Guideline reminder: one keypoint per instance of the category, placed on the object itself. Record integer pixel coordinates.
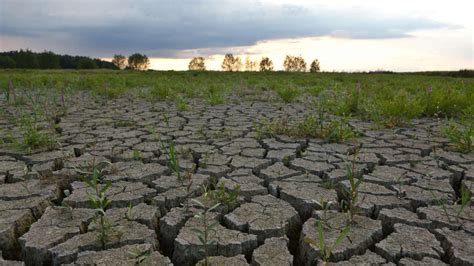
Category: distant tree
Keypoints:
(266, 64)
(7, 62)
(197, 63)
(294, 64)
(250, 65)
(119, 61)
(231, 63)
(48, 60)
(26, 59)
(138, 62)
(86, 63)
(314, 66)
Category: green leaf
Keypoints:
(197, 231)
(322, 246)
(340, 238)
(213, 207)
(201, 239)
(198, 203)
(106, 187)
(211, 226)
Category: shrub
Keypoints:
(396, 110)
(288, 94)
(461, 134)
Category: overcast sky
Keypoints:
(345, 35)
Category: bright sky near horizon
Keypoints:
(344, 35)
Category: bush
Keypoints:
(86, 63)
(288, 94)
(394, 110)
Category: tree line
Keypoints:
(49, 60)
(234, 63)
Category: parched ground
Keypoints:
(406, 214)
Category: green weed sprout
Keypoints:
(224, 197)
(130, 215)
(326, 250)
(288, 94)
(351, 194)
(172, 158)
(400, 191)
(181, 104)
(136, 155)
(203, 233)
(462, 135)
(98, 201)
(324, 205)
(138, 255)
(464, 200)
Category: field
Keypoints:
(217, 168)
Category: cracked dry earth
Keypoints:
(280, 179)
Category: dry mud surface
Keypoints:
(280, 181)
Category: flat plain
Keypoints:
(162, 168)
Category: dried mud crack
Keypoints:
(406, 212)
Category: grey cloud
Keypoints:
(164, 28)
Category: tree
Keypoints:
(138, 62)
(26, 59)
(266, 64)
(7, 62)
(197, 63)
(48, 60)
(119, 61)
(294, 64)
(250, 65)
(315, 66)
(231, 63)
(86, 63)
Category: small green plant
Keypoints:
(201, 132)
(442, 202)
(339, 130)
(166, 118)
(136, 155)
(188, 177)
(327, 184)
(399, 180)
(224, 197)
(214, 96)
(181, 104)
(172, 158)
(325, 250)
(130, 215)
(203, 162)
(351, 194)
(288, 94)
(310, 126)
(207, 227)
(26, 177)
(325, 205)
(464, 199)
(394, 110)
(32, 136)
(138, 255)
(98, 201)
(225, 133)
(123, 123)
(461, 134)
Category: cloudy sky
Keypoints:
(345, 35)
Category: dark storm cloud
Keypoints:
(163, 28)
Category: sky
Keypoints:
(343, 35)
